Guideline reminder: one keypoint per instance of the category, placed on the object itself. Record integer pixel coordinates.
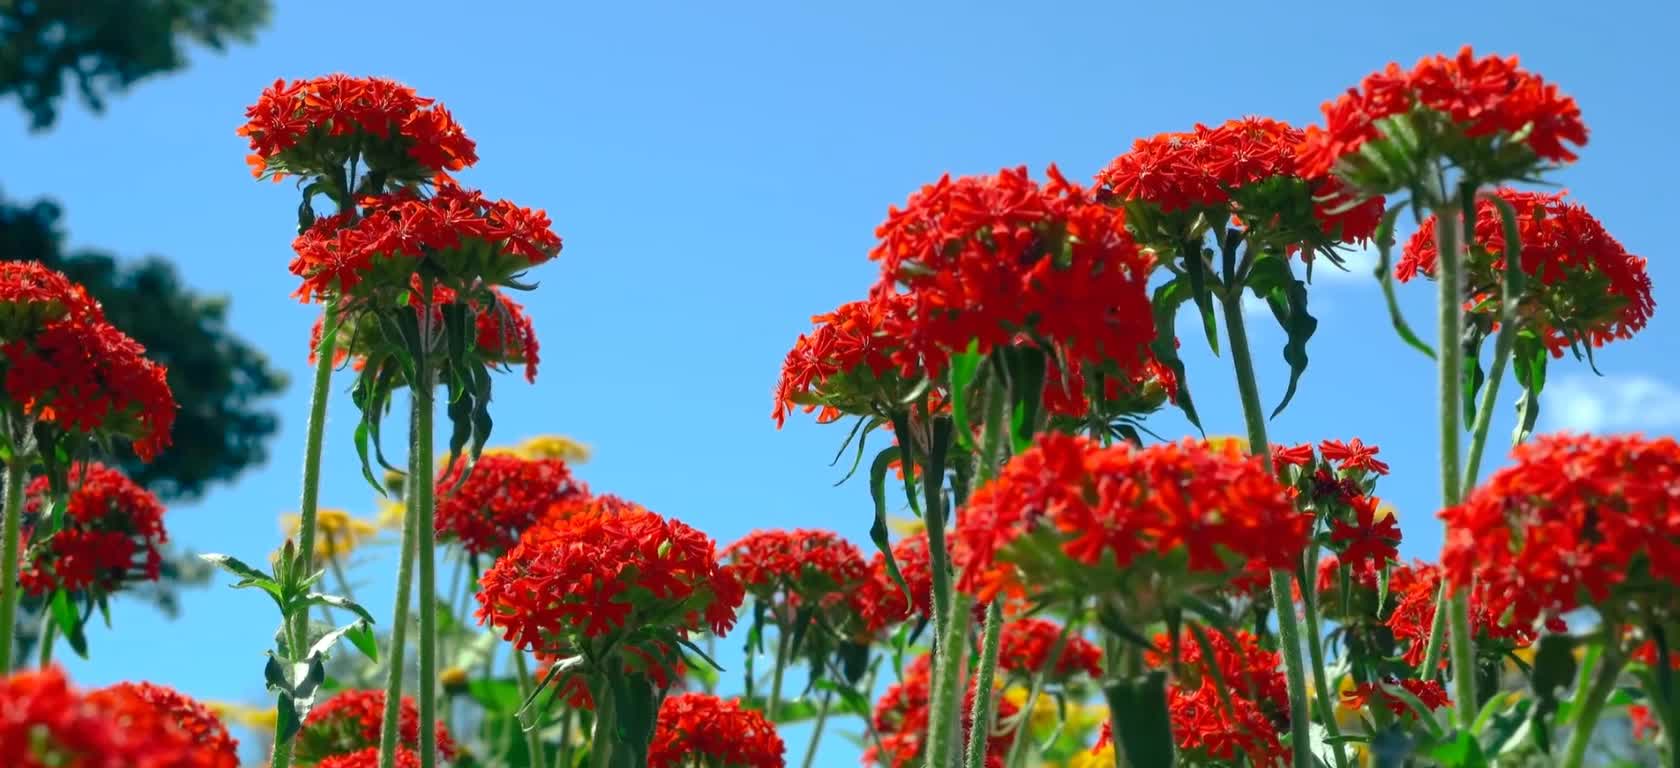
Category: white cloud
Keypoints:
(1630, 403)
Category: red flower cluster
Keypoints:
(45, 723)
(1171, 509)
(148, 707)
(369, 758)
(1416, 589)
(112, 532)
(1582, 287)
(842, 363)
(901, 720)
(1259, 697)
(506, 335)
(307, 125)
(1204, 728)
(499, 499)
(349, 722)
(986, 258)
(880, 601)
(1024, 646)
(1484, 99)
(1252, 672)
(805, 566)
(1137, 391)
(469, 235)
(65, 365)
(594, 572)
(1430, 692)
(1215, 169)
(1574, 520)
(699, 729)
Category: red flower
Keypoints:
(84, 376)
(845, 363)
(880, 601)
(1571, 523)
(1204, 728)
(901, 719)
(468, 237)
(1477, 105)
(1024, 646)
(1223, 169)
(1430, 692)
(1135, 392)
(1416, 591)
(33, 297)
(308, 126)
(500, 497)
(209, 738)
(45, 723)
(112, 532)
(1582, 287)
(350, 722)
(369, 758)
(505, 335)
(802, 566)
(1251, 672)
(592, 573)
(699, 729)
(1353, 454)
(1105, 511)
(503, 332)
(985, 258)
(1293, 456)
(1644, 725)
(1368, 539)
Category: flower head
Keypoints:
(111, 535)
(168, 709)
(1430, 692)
(1025, 646)
(554, 447)
(369, 758)
(1488, 116)
(846, 364)
(805, 566)
(47, 723)
(500, 496)
(337, 533)
(1069, 517)
(901, 718)
(1416, 591)
(350, 721)
(1576, 521)
(881, 602)
(307, 126)
(1582, 286)
(699, 729)
(985, 258)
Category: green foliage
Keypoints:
(105, 46)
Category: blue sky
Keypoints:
(717, 171)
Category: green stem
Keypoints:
(601, 741)
(16, 473)
(388, 740)
(1450, 356)
(817, 728)
(1018, 743)
(426, 551)
(49, 635)
(1289, 633)
(1315, 651)
(527, 687)
(1604, 684)
(945, 706)
(1484, 412)
(950, 622)
(1431, 667)
(980, 728)
(314, 438)
(775, 702)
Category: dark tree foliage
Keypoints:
(105, 46)
(219, 380)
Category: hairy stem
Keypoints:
(980, 729)
(16, 473)
(426, 553)
(320, 392)
(1484, 412)
(399, 615)
(774, 704)
(528, 687)
(1315, 651)
(1603, 684)
(1289, 633)
(1018, 743)
(817, 728)
(1450, 357)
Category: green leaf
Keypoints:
(1459, 751)
(497, 696)
(1196, 270)
(361, 635)
(963, 368)
(325, 642)
(361, 438)
(481, 421)
(288, 722)
(1166, 302)
(1528, 362)
(1300, 326)
(1385, 276)
(1472, 377)
(69, 622)
(344, 603)
(862, 442)
(1145, 732)
(878, 530)
(236, 567)
(1027, 391)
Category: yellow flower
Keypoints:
(906, 527)
(1044, 710)
(390, 514)
(1093, 758)
(1386, 510)
(554, 447)
(336, 532)
(1220, 441)
(253, 718)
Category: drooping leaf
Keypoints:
(1195, 270)
(963, 368)
(1385, 276)
(1168, 298)
(878, 529)
(1145, 732)
(69, 622)
(1528, 363)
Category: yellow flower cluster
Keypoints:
(337, 533)
(259, 719)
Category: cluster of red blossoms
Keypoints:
(504, 332)
(1025, 645)
(1582, 287)
(66, 366)
(901, 719)
(1365, 537)
(501, 497)
(1202, 724)
(1189, 507)
(369, 758)
(986, 258)
(699, 729)
(594, 571)
(801, 566)
(300, 126)
(46, 723)
(1483, 98)
(1575, 521)
(112, 532)
(349, 723)
(1430, 692)
(850, 342)
(1216, 169)
(881, 602)
(1416, 590)
(468, 234)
